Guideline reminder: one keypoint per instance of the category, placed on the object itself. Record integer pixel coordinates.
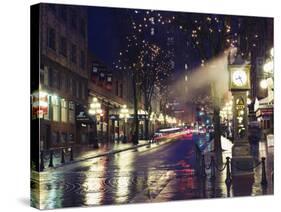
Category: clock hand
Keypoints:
(239, 78)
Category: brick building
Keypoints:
(63, 72)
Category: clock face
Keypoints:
(239, 78)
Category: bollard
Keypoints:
(71, 154)
(62, 156)
(263, 174)
(228, 174)
(213, 168)
(51, 159)
(42, 167)
(203, 171)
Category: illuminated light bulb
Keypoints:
(271, 52)
(263, 84)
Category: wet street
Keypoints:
(160, 172)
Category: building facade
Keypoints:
(63, 72)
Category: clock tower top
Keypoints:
(239, 74)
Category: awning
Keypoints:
(83, 116)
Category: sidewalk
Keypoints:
(82, 153)
(244, 186)
(177, 185)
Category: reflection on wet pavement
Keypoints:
(158, 174)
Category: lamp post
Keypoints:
(101, 124)
(152, 120)
(95, 110)
(124, 114)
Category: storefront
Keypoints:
(264, 114)
(57, 120)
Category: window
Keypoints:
(63, 46)
(82, 60)
(64, 111)
(56, 108)
(84, 91)
(73, 53)
(51, 38)
(74, 88)
(73, 19)
(63, 13)
(71, 85)
(77, 89)
(48, 115)
(80, 90)
(50, 76)
(62, 80)
(55, 78)
(83, 28)
(71, 112)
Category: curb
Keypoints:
(111, 152)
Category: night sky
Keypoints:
(105, 32)
(108, 27)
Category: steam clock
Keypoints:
(239, 84)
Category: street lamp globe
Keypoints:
(263, 84)
(249, 101)
(268, 66)
(271, 52)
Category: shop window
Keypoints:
(56, 108)
(64, 113)
(71, 112)
(48, 115)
